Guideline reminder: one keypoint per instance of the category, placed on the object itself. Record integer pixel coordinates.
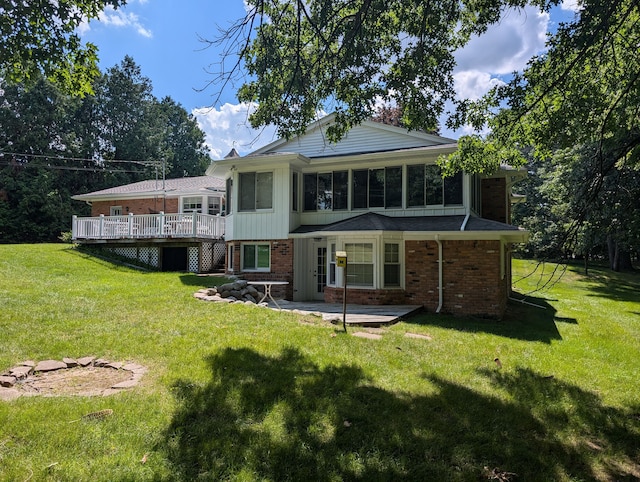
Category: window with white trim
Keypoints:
(230, 258)
(256, 257)
(255, 191)
(427, 187)
(391, 265)
(359, 264)
(115, 211)
(192, 204)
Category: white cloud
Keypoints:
(119, 19)
(473, 84)
(228, 127)
(507, 46)
(571, 5)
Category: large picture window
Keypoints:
(256, 191)
(360, 264)
(376, 188)
(192, 204)
(427, 187)
(256, 257)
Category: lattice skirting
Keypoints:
(149, 255)
(203, 258)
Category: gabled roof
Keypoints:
(475, 228)
(174, 187)
(313, 143)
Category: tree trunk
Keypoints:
(619, 258)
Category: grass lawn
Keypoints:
(243, 393)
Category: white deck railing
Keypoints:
(145, 226)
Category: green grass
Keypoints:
(243, 393)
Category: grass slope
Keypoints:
(243, 393)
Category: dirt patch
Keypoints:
(87, 376)
(86, 381)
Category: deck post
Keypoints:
(101, 225)
(161, 223)
(130, 224)
(74, 227)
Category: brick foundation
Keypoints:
(366, 296)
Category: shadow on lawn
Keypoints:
(614, 286)
(286, 418)
(521, 321)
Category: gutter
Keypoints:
(440, 287)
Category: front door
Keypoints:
(319, 250)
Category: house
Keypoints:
(172, 224)
(411, 237)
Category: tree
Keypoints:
(306, 55)
(39, 36)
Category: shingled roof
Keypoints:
(172, 186)
(379, 222)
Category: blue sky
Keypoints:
(162, 36)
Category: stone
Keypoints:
(132, 367)
(242, 283)
(211, 291)
(7, 381)
(369, 336)
(8, 394)
(71, 362)
(100, 362)
(86, 360)
(235, 294)
(27, 363)
(115, 365)
(20, 372)
(125, 384)
(50, 365)
(200, 295)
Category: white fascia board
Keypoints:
(124, 196)
(418, 154)
(519, 236)
(224, 167)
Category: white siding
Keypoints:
(264, 224)
(363, 138)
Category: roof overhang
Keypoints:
(508, 236)
(225, 167)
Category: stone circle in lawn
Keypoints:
(86, 376)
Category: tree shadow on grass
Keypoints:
(521, 321)
(614, 286)
(286, 418)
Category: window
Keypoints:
(256, 257)
(377, 188)
(359, 264)
(326, 191)
(294, 192)
(391, 265)
(332, 264)
(230, 259)
(213, 205)
(228, 194)
(192, 204)
(115, 211)
(256, 191)
(426, 187)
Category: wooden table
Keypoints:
(267, 289)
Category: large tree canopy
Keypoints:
(39, 36)
(346, 55)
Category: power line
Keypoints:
(64, 158)
(69, 168)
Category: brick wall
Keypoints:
(365, 296)
(281, 266)
(136, 206)
(471, 277)
(494, 200)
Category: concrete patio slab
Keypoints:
(356, 314)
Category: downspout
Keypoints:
(464, 223)
(440, 287)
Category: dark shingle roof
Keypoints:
(379, 222)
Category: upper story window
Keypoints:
(377, 188)
(427, 187)
(192, 204)
(326, 191)
(213, 203)
(255, 191)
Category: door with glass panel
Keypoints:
(319, 278)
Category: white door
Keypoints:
(319, 269)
